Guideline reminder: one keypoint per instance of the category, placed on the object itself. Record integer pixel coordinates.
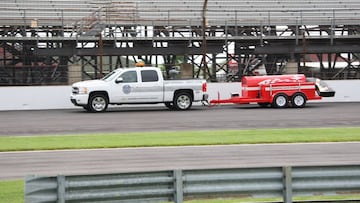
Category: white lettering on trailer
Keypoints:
(294, 78)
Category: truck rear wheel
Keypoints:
(280, 101)
(298, 100)
(98, 103)
(182, 101)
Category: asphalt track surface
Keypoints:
(15, 165)
(159, 118)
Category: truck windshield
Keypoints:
(109, 76)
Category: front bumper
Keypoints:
(79, 99)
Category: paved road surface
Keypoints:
(160, 119)
(15, 165)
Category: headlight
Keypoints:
(83, 90)
(79, 90)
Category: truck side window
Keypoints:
(149, 76)
(129, 76)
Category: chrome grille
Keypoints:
(75, 90)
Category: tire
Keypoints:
(298, 100)
(280, 101)
(182, 101)
(98, 103)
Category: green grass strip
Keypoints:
(182, 138)
(12, 191)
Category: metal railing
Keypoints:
(181, 16)
(179, 185)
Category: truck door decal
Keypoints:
(126, 89)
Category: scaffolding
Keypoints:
(47, 42)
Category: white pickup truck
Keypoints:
(138, 85)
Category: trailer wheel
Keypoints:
(280, 101)
(98, 103)
(298, 100)
(182, 101)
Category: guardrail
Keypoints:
(179, 185)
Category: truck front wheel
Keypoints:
(182, 101)
(98, 103)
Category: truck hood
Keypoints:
(90, 83)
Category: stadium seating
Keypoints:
(179, 12)
(45, 12)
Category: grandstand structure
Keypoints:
(45, 42)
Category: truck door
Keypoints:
(125, 88)
(151, 86)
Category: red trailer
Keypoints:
(279, 91)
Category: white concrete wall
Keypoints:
(35, 97)
(57, 97)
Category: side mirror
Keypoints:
(119, 80)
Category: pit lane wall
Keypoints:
(57, 97)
